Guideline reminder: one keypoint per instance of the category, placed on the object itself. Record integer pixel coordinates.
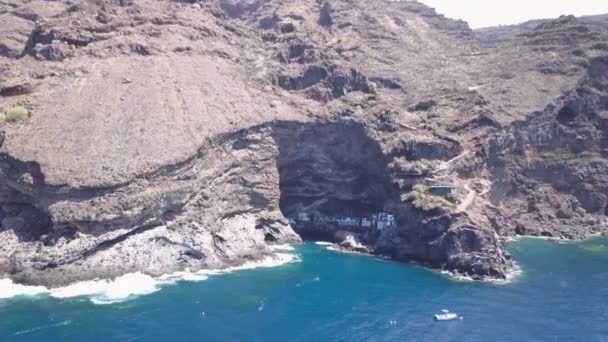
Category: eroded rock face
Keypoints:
(171, 135)
(554, 164)
(163, 221)
(331, 168)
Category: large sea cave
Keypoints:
(330, 170)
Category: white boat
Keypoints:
(446, 315)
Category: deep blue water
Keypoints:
(562, 295)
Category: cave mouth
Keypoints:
(25, 220)
(566, 115)
(330, 171)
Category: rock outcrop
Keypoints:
(170, 135)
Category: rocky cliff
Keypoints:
(170, 135)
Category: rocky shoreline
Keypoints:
(161, 136)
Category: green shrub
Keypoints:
(421, 199)
(2, 118)
(15, 114)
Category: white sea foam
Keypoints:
(128, 286)
(282, 248)
(101, 291)
(183, 276)
(346, 251)
(125, 287)
(9, 289)
(511, 276)
(275, 260)
(323, 243)
(546, 238)
(85, 288)
(552, 238)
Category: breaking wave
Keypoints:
(282, 248)
(131, 285)
(8, 289)
(515, 273)
(104, 291)
(110, 291)
(277, 259)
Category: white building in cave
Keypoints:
(348, 221)
(379, 221)
(385, 221)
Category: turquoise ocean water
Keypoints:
(561, 295)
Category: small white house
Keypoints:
(385, 221)
(348, 221)
(366, 222)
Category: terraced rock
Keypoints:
(171, 135)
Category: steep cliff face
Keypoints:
(171, 135)
(215, 209)
(551, 168)
(330, 169)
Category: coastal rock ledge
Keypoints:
(159, 136)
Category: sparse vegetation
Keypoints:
(422, 199)
(442, 201)
(420, 188)
(14, 114)
(2, 118)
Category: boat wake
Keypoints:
(131, 285)
(27, 331)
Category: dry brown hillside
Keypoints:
(161, 135)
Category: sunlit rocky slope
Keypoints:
(164, 135)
